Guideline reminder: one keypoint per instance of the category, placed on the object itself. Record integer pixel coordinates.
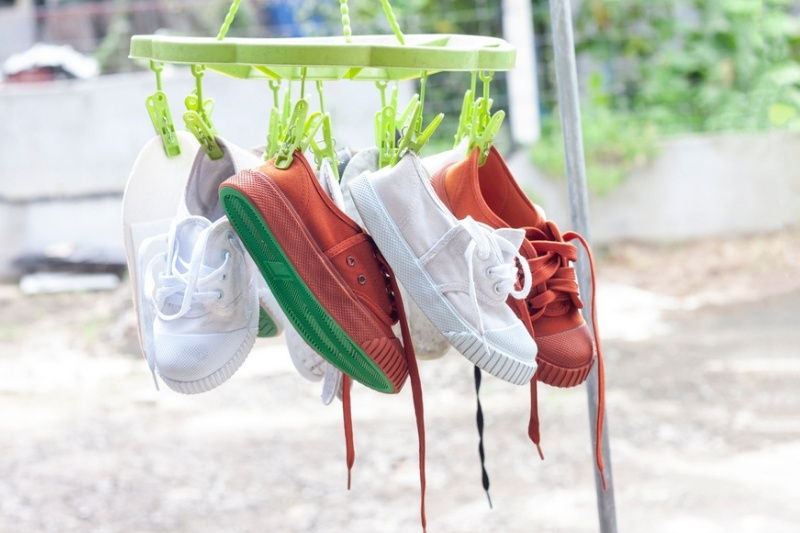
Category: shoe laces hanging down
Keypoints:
(556, 290)
(399, 315)
(601, 380)
(484, 243)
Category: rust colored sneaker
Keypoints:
(322, 268)
(567, 349)
(329, 278)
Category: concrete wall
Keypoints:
(17, 30)
(699, 186)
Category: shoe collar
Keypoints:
(201, 195)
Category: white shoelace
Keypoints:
(182, 280)
(486, 242)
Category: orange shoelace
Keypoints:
(555, 291)
(398, 314)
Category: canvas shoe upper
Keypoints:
(551, 311)
(198, 332)
(206, 305)
(429, 343)
(459, 272)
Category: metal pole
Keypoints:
(567, 81)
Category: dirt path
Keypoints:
(702, 364)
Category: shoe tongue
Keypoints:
(514, 236)
(187, 234)
(363, 161)
(330, 185)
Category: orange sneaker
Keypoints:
(323, 269)
(329, 278)
(567, 350)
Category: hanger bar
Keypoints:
(365, 57)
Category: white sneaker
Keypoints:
(206, 305)
(146, 215)
(429, 343)
(200, 284)
(460, 273)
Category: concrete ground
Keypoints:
(702, 361)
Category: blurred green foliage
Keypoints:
(614, 143)
(697, 65)
(672, 67)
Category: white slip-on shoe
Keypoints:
(459, 272)
(206, 305)
(429, 343)
(146, 219)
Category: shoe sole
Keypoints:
(562, 377)
(220, 376)
(426, 294)
(308, 316)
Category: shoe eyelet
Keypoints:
(224, 277)
(489, 273)
(230, 236)
(219, 295)
(351, 261)
(362, 279)
(496, 288)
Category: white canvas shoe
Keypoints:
(459, 272)
(206, 305)
(167, 267)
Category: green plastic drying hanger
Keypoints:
(158, 109)
(363, 57)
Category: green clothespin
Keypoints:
(327, 150)
(197, 117)
(275, 123)
(384, 134)
(160, 116)
(483, 126)
(411, 139)
(293, 134)
(487, 136)
(467, 108)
